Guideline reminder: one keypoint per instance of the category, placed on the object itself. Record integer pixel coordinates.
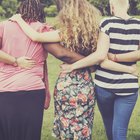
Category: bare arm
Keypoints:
(52, 36)
(99, 57)
(108, 64)
(22, 62)
(6, 58)
(126, 57)
(62, 53)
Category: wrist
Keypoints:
(115, 58)
(131, 69)
(60, 36)
(15, 62)
(73, 67)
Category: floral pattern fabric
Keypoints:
(74, 101)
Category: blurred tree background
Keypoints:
(8, 7)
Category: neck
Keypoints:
(122, 14)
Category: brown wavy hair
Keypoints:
(79, 26)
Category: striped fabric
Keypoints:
(124, 37)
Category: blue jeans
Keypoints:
(116, 112)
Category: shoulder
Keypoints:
(107, 20)
(135, 20)
(104, 21)
(2, 23)
(47, 27)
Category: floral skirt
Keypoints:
(74, 101)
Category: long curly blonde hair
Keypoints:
(79, 26)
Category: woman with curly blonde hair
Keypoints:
(74, 92)
(79, 24)
(74, 95)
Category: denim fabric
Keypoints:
(116, 112)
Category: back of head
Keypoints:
(79, 21)
(121, 4)
(31, 10)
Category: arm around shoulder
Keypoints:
(61, 53)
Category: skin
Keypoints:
(52, 36)
(127, 57)
(100, 55)
(95, 58)
(23, 62)
(57, 50)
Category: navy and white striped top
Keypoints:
(124, 37)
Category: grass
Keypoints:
(98, 130)
(137, 16)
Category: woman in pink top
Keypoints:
(22, 91)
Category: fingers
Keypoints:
(26, 64)
(27, 67)
(47, 101)
(65, 68)
(110, 56)
(28, 59)
(65, 71)
(31, 62)
(25, 57)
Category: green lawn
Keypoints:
(98, 130)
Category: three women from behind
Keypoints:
(74, 94)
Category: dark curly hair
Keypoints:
(32, 10)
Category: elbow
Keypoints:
(63, 57)
(34, 38)
(99, 56)
(102, 58)
(102, 64)
(60, 55)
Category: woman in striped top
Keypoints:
(116, 91)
